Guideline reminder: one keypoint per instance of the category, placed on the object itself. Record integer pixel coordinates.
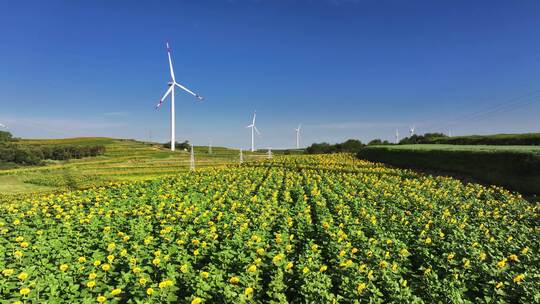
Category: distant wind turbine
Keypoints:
(3, 126)
(170, 91)
(411, 130)
(253, 129)
(298, 136)
(397, 136)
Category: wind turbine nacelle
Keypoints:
(170, 83)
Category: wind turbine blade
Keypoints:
(256, 130)
(189, 91)
(3, 126)
(170, 62)
(164, 96)
(249, 126)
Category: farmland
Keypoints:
(513, 167)
(316, 229)
(124, 160)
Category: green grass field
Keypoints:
(467, 148)
(124, 160)
(514, 167)
(494, 139)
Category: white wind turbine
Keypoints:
(3, 126)
(298, 136)
(411, 130)
(253, 129)
(170, 91)
(397, 136)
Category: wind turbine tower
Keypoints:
(241, 156)
(172, 84)
(298, 136)
(397, 136)
(270, 153)
(411, 130)
(210, 147)
(253, 129)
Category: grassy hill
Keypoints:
(495, 139)
(124, 160)
(514, 167)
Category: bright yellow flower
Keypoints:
(82, 259)
(18, 254)
(482, 256)
(234, 280)
(196, 301)
(323, 268)
(149, 291)
(64, 267)
(92, 276)
(24, 291)
(428, 240)
(22, 276)
(142, 281)
(499, 285)
(248, 291)
(204, 274)
(166, 283)
(519, 278)
(184, 268)
(156, 261)
(513, 257)
(252, 268)
(110, 258)
(361, 287)
(7, 272)
(116, 291)
(24, 244)
(106, 267)
(451, 256)
(305, 270)
(289, 265)
(97, 263)
(91, 284)
(501, 263)
(101, 299)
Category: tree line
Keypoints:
(13, 152)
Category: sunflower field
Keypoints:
(293, 229)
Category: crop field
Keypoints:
(299, 229)
(467, 148)
(124, 160)
(513, 167)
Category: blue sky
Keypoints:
(344, 69)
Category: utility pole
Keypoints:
(192, 160)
